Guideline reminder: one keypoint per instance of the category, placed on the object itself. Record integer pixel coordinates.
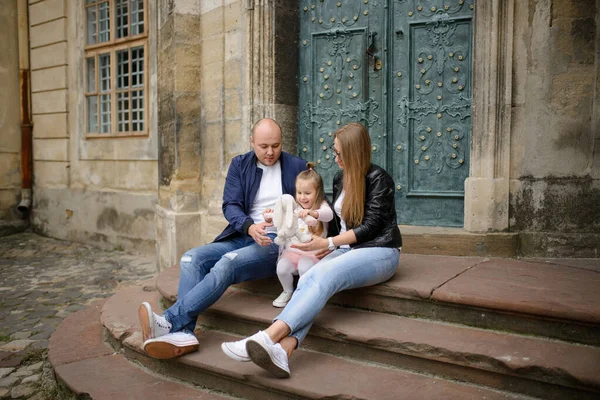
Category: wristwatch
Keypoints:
(331, 245)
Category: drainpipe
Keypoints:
(26, 126)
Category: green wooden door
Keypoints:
(402, 68)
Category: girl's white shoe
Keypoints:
(282, 300)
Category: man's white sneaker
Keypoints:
(237, 350)
(271, 357)
(171, 345)
(153, 325)
(282, 300)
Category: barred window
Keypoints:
(116, 85)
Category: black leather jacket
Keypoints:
(378, 227)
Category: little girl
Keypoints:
(310, 195)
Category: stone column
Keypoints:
(178, 216)
(487, 188)
(272, 30)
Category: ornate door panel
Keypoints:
(402, 68)
(340, 77)
(430, 108)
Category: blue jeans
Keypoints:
(207, 271)
(343, 269)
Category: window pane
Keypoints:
(104, 22)
(105, 113)
(137, 66)
(123, 112)
(137, 17)
(92, 114)
(137, 110)
(91, 25)
(90, 1)
(104, 72)
(123, 69)
(91, 74)
(122, 21)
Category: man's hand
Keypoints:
(259, 234)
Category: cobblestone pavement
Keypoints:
(42, 280)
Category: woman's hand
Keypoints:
(268, 215)
(317, 243)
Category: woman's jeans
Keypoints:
(343, 269)
(207, 271)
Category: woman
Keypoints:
(365, 252)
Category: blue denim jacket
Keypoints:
(241, 186)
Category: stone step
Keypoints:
(432, 240)
(538, 367)
(315, 375)
(556, 299)
(84, 364)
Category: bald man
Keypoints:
(243, 251)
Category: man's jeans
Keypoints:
(343, 269)
(207, 271)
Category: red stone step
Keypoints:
(314, 375)
(525, 364)
(554, 299)
(84, 363)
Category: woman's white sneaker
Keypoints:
(268, 356)
(283, 299)
(153, 325)
(237, 350)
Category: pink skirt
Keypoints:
(294, 256)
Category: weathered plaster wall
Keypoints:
(555, 183)
(10, 134)
(102, 190)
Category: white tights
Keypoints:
(286, 271)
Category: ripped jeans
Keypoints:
(207, 271)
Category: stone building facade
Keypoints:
(212, 67)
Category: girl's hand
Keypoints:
(268, 215)
(303, 213)
(317, 243)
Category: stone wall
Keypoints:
(100, 191)
(555, 142)
(10, 145)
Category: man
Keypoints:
(243, 251)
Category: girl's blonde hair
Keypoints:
(311, 175)
(355, 151)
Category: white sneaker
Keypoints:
(237, 350)
(153, 325)
(282, 300)
(271, 357)
(171, 345)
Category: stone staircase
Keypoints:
(442, 328)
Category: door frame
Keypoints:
(272, 27)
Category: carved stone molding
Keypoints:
(487, 188)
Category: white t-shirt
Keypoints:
(268, 193)
(337, 207)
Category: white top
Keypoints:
(268, 192)
(338, 210)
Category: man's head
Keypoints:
(266, 141)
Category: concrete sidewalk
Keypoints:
(43, 280)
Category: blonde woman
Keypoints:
(366, 251)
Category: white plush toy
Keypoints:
(290, 228)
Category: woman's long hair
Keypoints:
(313, 176)
(355, 151)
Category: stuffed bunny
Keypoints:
(290, 228)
